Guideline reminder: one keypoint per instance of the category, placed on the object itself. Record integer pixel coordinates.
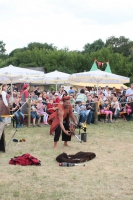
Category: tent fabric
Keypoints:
(94, 67)
(108, 68)
(117, 86)
(99, 77)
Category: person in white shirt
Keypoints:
(129, 92)
(4, 108)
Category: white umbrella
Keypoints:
(56, 77)
(13, 74)
(98, 77)
(24, 72)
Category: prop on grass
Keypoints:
(76, 158)
(65, 164)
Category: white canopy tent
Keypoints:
(56, 77)
(11, 74)
(98, 77)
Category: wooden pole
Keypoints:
(96, 112)
(29, 111)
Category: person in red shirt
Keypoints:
(56, 99)
(50, 107)
(25, 97)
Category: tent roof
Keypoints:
(108, 68)
(94, 67)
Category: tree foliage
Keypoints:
(119, 52)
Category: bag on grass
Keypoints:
(76, 158)
(25, 159)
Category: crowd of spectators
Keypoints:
(110, 103)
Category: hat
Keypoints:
(56, 93)
(40, 99)
(64, 98)
(25, 86)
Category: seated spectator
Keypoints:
(50, 107)
(34, 114)
(123, 107)
(81, 110)
(33, 96)
(50, 96)
(19, 116)
(128, 108)
(90, 106)
(72, 100)
(104, 109)
(81, 96)
(15, 88)
(56, 99)
(44, 96)
(119, 96)
(36, 90)
(116, 106)
(40, 110)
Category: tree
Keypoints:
(40, 46)
(2, 48)
(119, 45)
(95, 46)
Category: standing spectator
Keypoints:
(4, 107)
(25, 97)
(129, 92)
(71, 91)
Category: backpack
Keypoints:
(25, 159)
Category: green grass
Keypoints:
(108, 176)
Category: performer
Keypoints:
(4, 107)
(59, 120)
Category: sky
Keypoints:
(64, 23)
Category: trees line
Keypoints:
(119, 52)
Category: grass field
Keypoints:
(108, 176)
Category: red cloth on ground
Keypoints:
(25, 159)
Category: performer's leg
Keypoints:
(57, 136)
(65, 137)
